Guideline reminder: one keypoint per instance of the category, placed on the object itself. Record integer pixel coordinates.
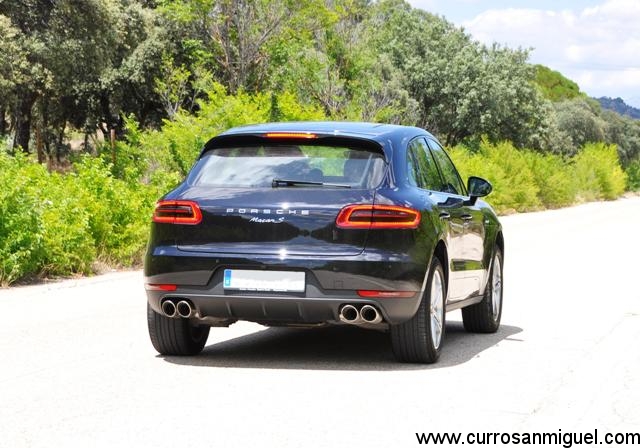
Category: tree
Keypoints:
(579, 119)
(464, 89)
(79, 62)
(232, 36)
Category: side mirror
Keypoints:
(478, 188)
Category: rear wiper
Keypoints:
(275, 183)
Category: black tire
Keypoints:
(483, 317)
(412, 341)
(171, 336)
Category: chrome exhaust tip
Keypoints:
(349, 314)
(370, 315)
(168, 308)
(184, 309)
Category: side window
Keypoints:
(413, 170)
(421, 167)
(431, 177)
(452, 182)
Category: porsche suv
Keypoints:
(324, 223)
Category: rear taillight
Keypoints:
(368, 216)
(177, 212)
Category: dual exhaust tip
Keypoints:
(181, 308)
(368, 314)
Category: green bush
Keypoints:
(509, 171)
(527, 180)
(553, 176)
(633, 175)
(21, 226)
(54, 224)
(67, 243)
(598, 172)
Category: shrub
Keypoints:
(554, 178)
(118, 212)
(526, 180)
(598, 172)
(21, 227)
(68, 246)
(508, 170)
(633, 175)
(53, 224)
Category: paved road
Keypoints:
(78, 369)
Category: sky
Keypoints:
(596, 43)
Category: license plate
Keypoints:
(278, 281)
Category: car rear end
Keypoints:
(286, 228)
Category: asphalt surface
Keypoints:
(77, 367)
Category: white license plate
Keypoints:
(248, 280)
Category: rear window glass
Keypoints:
(258, 166)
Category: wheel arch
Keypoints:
(500, 242)
(440, 252)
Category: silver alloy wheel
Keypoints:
(436, 309)
(496, 287)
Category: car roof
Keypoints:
(386, 135)
(345, 128)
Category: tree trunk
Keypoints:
(40, 146)
(60, 150)
(3, 121)
(23, 121)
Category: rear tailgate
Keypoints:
(281, 196)
(297, 221)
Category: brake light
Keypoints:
(366, 216)
(385, 294)
(177, 212)
(290, 135)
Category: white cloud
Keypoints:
(598, 47)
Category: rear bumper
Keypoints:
(330, 283)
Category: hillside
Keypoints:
(618, 105)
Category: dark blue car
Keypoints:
(324, 223)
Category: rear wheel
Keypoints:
(484, 317)
(171, 336)
(419, 339)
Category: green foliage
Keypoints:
(53, 224)
(554, 86)
(21, 229)
(508, 170)
(557, 187)
(117, 212)
(579, 119)
(82, 63)
(633, 175)
(528, 180)
(598, 172)
(464, 89)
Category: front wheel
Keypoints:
(484, 317)
(171, 336)
(419, 339)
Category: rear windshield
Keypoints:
(259, 166)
